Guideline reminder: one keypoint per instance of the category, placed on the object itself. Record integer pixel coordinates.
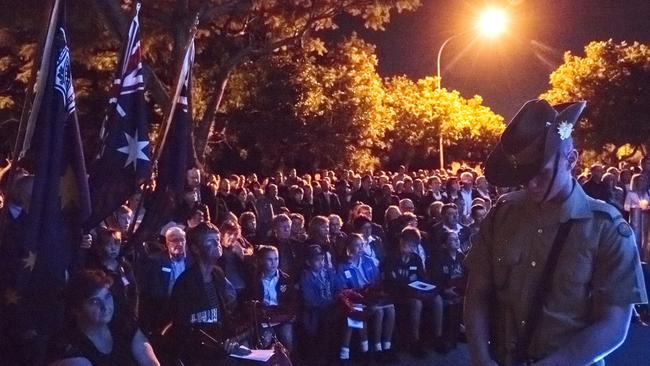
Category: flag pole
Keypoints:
(33, 98)
(177, 91)
(40, 79)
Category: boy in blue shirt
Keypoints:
(317, 285)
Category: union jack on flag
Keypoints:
(124, 161)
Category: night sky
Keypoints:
(515, 67)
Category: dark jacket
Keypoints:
(317, 293)
(190, 309)
(285, 288)
(154, 288)
(397, 274)
(326, 203)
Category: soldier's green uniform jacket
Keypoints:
(599, 262)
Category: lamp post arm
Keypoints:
(442, 47)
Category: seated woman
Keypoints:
(237, 260)
(93, 336)
(361, 273)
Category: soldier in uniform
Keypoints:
(553, 273)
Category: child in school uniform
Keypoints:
(318, 320)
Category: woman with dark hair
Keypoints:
(93, 336)
(237, 258)
(108, 258)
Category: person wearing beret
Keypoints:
(553, 273)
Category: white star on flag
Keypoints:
(134, 150)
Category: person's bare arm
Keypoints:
(611, 323)
(142, 350)
(75, 361)
(476, 312)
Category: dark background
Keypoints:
(513, 68)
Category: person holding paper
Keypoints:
(361, 273)
(404, 268)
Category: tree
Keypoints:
(422, 112)
(613, 78)
(231, 32)
(307, 111)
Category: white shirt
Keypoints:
(177, 267)
(467, 202)
(269, 284)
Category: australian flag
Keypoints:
(124, 160)
(51, 223)
(176, 157)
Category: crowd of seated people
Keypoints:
(321, 267)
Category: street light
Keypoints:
(491, 24)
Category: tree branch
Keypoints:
(209, 11)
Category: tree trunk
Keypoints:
(202, 131)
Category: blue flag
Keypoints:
(124, 161)
(59, 203)
(176, 157)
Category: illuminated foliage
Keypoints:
(422, 111)
(614, 79)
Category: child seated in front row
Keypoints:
(403, 268)
(450, 275)
(361, 274)
(276, 292)
(317, 285)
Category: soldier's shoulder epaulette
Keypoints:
(604, 208)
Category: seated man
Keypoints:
(204, 329)
(276, 292)
(162, 271)
(401, 269)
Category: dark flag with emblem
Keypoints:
(124, 160)
(50, 223)
(177, 155)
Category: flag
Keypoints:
(59, 203)
(124, 160)
(176, 157)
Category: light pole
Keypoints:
(491, 24)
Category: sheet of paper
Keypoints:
(261, 355)
(422, 286)
(357, 324)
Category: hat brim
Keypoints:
(500, 172)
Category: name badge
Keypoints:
(347, 274)
(125, 281)
(413, 268)
(165, 269)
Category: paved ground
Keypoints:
(634, 352)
